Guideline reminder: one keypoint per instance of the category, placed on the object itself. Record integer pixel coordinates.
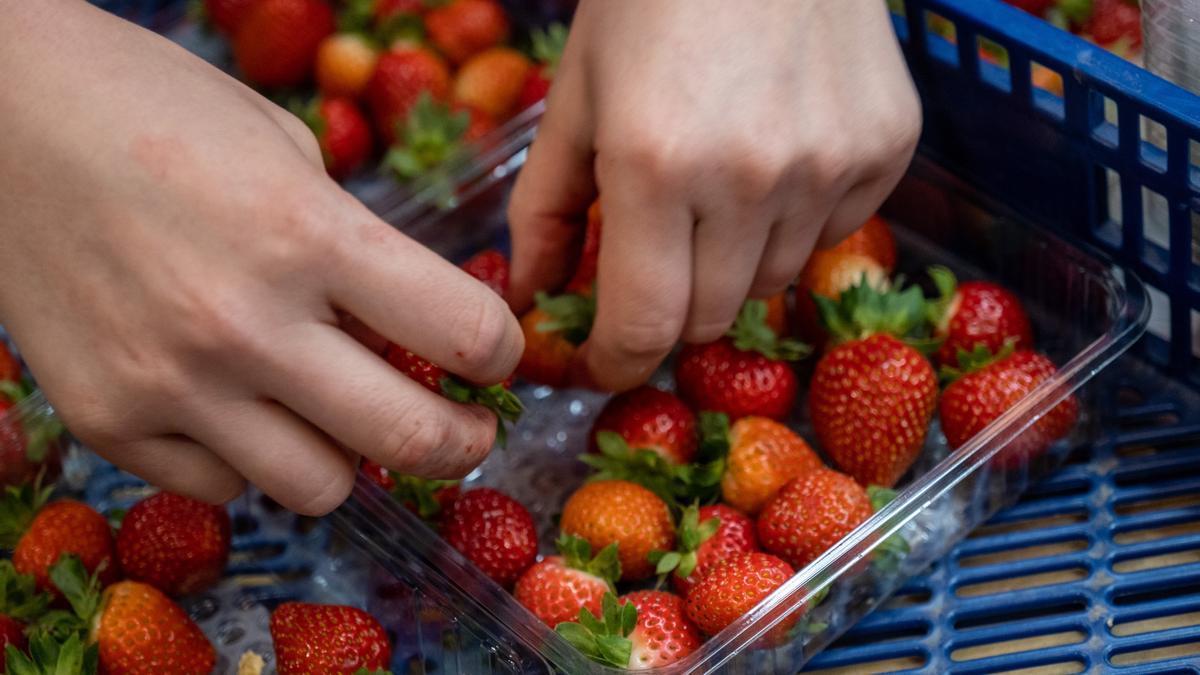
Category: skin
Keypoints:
(726, 139)
(204, 306)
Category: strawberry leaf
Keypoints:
(604, 639)
(429, 138)
(19, 597)
(570, 314)
(674, 483)
(892, 551)
(577, 553)
(714, 436)
(750, 333)
(548, 44)
(13, 390)
(18, 506)
(81, 590)
(420, 492)
(496, 397)
(864, 310)
(880, 497)
(48, 656)
(356, 16)
(975, 360)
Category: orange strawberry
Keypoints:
(494, 531)
(584, 278)
(811, 514)
(556, 588)
(734, 587)
(138, 630)
(622, 512)
(177, 544)
(976, 313)
(344, 65)
(763, 456)
(777, 314)
(491, 81)
(985, 387)
(874, 240)
(828, 274)
(747, 372)
(462, 28)
(277, 40)
(39, 534)
(401, 75)
(327, 639)
(651, 419)
(705, 537)
(553, 330)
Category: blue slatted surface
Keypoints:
(1113, 537)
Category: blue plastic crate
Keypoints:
(1109, 543)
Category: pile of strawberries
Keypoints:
(78, 597)
(706, 489)
(408, 80)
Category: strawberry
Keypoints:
(491, 81)
(811, 514)
(429, 498)
(872, 395)
(777, 314)
(733, 587)
(177, 544)
(745, 373)
(39, 534)
(976, 313)
(705, 537)
(490, 267)
(227, 15)
(20, 603)
(462, 28)
(388, 9)
(1115, 25)
(12, 632)
(344, 65)
(548, 47)
(985, 387)
(651, 419)
(401, 75)
(553, 330)
(763, 456)
(138, 629)
(481, 124)
(828, 274)
(584, 278)
(311, 638)
(493, 531)
(604, 512)
(433, 135)
(555, 589)
(342, 132)
(377, 474)
(276, 43)
(496, 397)
(10, 368)
(640, 631)
(46, 654)
(28, 442)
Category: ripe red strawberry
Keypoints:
(763, 456)
(39, 534)
(555, 589)
(987, 387)
(342, 132)
(491, 81)
(651, 419)
(976, 313)
(387, 9)
(705, 537)
(378, 474)
(1115, 25)
(227, 15)
(311, 638)
(547, 52)
(745, 373)
(872, 396)
(733, 587)
(811, 514)
(344, 64)
(493, 531)
(276, 43)
(402, 74)
(553, 331)
(490, 267)
(604, 512)
(496, 397)
(138, 630)
(177, 544)
(12, 632)
(10, 369)
(462, 28)
(584, 278)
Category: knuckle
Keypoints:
(480, 349)
(830, 163)
(218, 323)
(334, 489)
(414, 438)
(656, 162)
(755, 177)
(643, 339)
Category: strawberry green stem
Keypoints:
(751, 333)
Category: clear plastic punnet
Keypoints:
(451, 618)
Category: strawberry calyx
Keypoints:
(496, 397)
(941, 308)
(400, 28)
(546, 46)
(571, 314)
(891, 551)
(428, 139)
(603, 639)
(48, 656)
(1067, 13)
(355, 16)
(750, 333)
(864, 310)
(19, 597)
(18, 506)
(975, 360)
(421, 493)
(577, 554)
(690, 534)
(673, 483)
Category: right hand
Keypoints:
(174, 262)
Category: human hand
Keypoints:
(174, 263)
(726, 140)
